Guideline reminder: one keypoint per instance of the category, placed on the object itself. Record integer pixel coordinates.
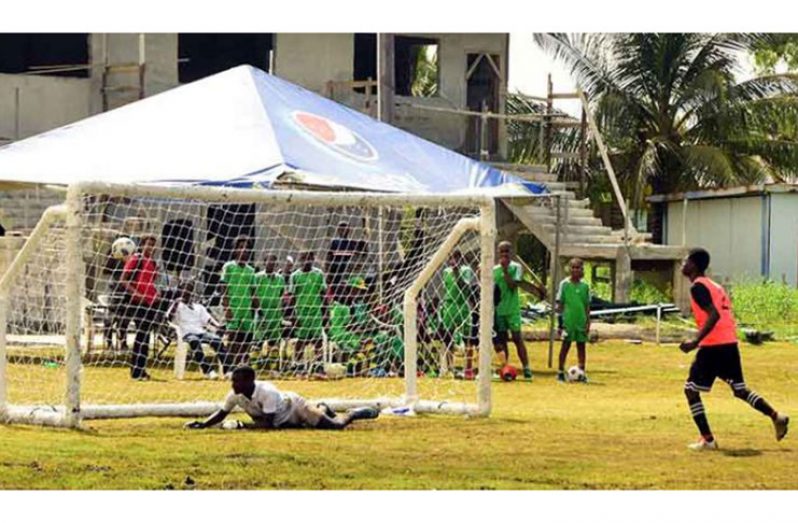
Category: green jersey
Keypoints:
(341, 327)
(307, 288)
(434, 323)
(509, 303)
(575, 299)
(360, 316)
(457, 289)
(270, 289)
(240, 282)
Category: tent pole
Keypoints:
(379, 78)
(381, 252)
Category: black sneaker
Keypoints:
(364, 413)
(780, 424)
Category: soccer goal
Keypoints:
(344, 297)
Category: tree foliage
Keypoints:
(673, 114)
(779, 49)
(425, 78)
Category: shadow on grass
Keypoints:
(741, 453)
(518, 421)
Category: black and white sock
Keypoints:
(700, 417)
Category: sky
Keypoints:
(529, 66)
(528, 69)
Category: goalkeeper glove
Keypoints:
(559, 322)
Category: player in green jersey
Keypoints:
(239, 301)
(308, 286)
(573, 307)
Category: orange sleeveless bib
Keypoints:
(725, 330)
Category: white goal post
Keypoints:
(53, 373)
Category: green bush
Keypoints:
(647, 294)
(642, 292)
(765, 306)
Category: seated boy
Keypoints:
(192, 319)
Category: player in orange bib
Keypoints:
(718, 355)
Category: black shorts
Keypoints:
(719, 361)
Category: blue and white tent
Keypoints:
(247, 128)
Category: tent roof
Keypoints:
(244, 127)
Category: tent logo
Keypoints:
(335, 136)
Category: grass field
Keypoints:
(626, 430)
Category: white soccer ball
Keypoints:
(575, 374)
(122, 248)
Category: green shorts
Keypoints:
(507, 322)
(347, 341)
(270, 329)
(389, 346)
(309, 327)
(456, 320)
(577, 334)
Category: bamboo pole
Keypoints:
(606, 158)
(555, 270)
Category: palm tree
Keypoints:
(673, 114)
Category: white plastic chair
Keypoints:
(181, 354)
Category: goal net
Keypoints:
(138, 301)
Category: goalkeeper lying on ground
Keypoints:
(270, 408)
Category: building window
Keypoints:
(365, 61)
(416, 70)
(52, 54)
(204, 54)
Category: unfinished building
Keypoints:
(448, 88)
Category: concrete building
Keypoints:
(750, 232)
(49, 80)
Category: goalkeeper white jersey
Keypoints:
(266, 399)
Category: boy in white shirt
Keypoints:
(271, 408)
(192, 319)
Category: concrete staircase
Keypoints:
(584, 235)
(581, 232)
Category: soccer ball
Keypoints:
(122, 247)
(508, 373)
(575, 374)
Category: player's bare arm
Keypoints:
(508, 278)
(213, 321)
(228, 314)
(214, 419)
